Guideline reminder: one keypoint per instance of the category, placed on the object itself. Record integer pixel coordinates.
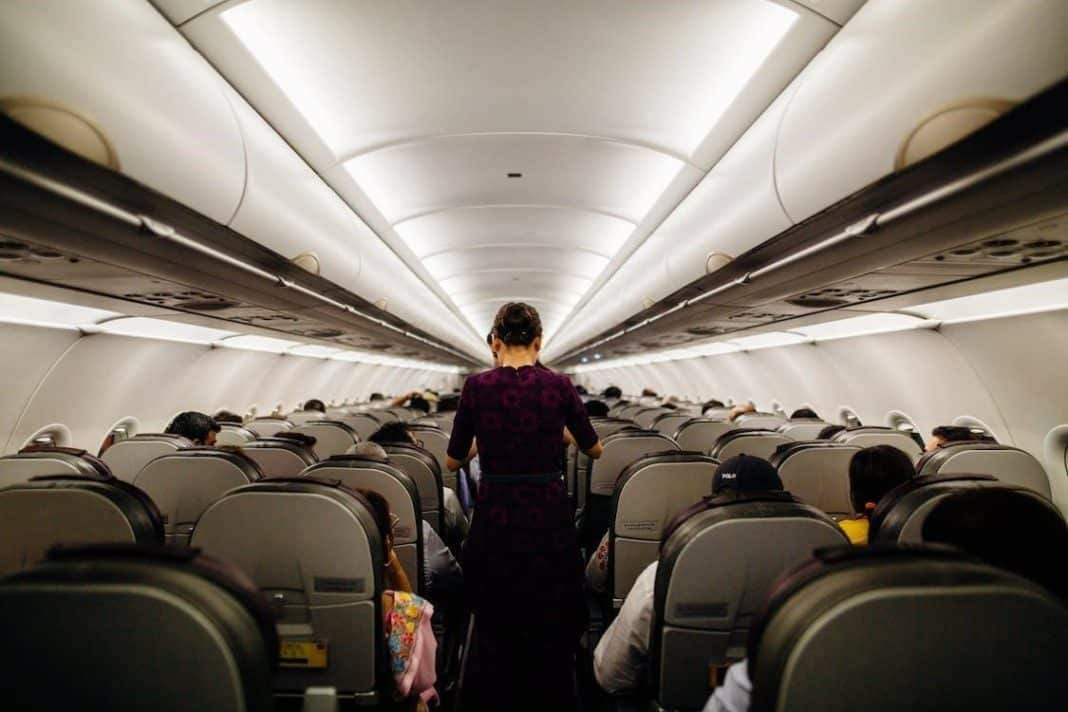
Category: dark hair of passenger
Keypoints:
(804, 413)
(225, 416)
(581, 390)
(307, 441)
(1006, 529)
(873, 472)
(612, 392)
(517, 324)
(419, 403)
(315, 404)
(377, 397)
(596, 409)
(669, 406)
(394, 432)
(193, 425)
(829, 431)
(380, 511)
(710, 404)
(649, 393)
(448, 403)
(955, 433)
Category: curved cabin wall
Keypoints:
(1007, 373)
(90, 382)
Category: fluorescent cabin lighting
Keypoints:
(314, 350)
(147, 328)
(768, 340)
(860, 326)
(1042, 296)
(43, 312)
(259, 343)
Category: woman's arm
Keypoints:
(595, 452)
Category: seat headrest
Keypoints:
(891, 498)
(715, 501)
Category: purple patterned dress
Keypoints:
(522, 568)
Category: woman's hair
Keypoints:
(874, 471)
(829, 431)
(517, 324)
(380, 511)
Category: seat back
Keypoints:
(398, 413)
(871, 619)
(234, 435)
(191, 635)
(184, 484)
(364, 423)
(331, 437)
(422, 467)
(128, 457)
(268, 426)
(40, 461)
(668, 423)
(802, 428)
(648, 495)
(869, 435)
(758, 443)
(400, 492)
(644, 418)
(716, 568)
(314, 550)
(817, 473)
(701, 434)
(628, 411)
(300, 417)
(1009, 464)
(579, 465)
(436, 442)
(52, 511)
(762, 421)
(278, 457)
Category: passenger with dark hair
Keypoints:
(448, 403)
(315, 404)
(376, 397)
(596, 408)
(873, 472)
(225, 416)
(804, 413)
(945, 434)
(829, 431)
(201, 429)
(419, 403)
(711, 404)
(581, 390)
(649, 393)
(522, 568)
(612, 393)
(393, 432)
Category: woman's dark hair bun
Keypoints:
(517, 324)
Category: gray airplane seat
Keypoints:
(280, 457)
(128, 457)
(233, 435)
(185, 483)
(817, 472)
(578, 465)
(436, 442)
(620, 450)
(364, 423)
(1009, 464)
(423, 469)
(908, 629)
(760, 421)
(644, 418)
(615, 408)
(869, 435)
(701, 434)
(717, 564)
(331, 437)
(314, 550)
(268, 425)
(39, 460)
(399, 490)
(648, 495)
(158, 630)
(68, 510)
(668, 423)
(758, 443)
(802, 428)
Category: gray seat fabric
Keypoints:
(802, 428)
(184, 484)
(769, 421)
(423, 468)
(1009, 464)
(234, 435)
(278, 457)
(817, 473)
(668, 423)
(38, 515)
(314, 550)
(758, 443)
(579, 464)
(716, 568)
(400, 492)
(268, 426)
(869, 435)
(128, 457)
(365, 424)
(300, 417)
(648, 495)
(436, 442)
(42, 461)
(164, 633)
(897, 630)
(331, 437)
(701, 434)
(644, 418)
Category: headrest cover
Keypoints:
(745, 473)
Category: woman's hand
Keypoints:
(595, 452)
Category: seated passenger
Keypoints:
(945, 434)
(829, 431)
(581, 390)
(740, 410)
(414, 399)
(197, 427)
(315, 404)
(596, 408)
(621, 659)
(612, 393)
(804, 413)
(711, 404)
(225, 416)
(873, 472)
(376, 397)
(448, 403)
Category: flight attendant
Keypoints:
(522, 567)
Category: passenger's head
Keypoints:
(745, 473)
(596, 409)
(873, 472)
(315, 404)
(377, 397)
(711, 405)
(829, 431)
(804, 413)
(581, 390)
(394, 432)
(945, 434)
(369, 451)
(613, 392)
(419, 403)
(197, 427)
(225, 416)
(517, 327)
(648, 393)
(1006, 529)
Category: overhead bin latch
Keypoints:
(864, 227)
(155, 227)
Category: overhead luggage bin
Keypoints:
(41, 461)
(128, 457)
(1010, 465)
